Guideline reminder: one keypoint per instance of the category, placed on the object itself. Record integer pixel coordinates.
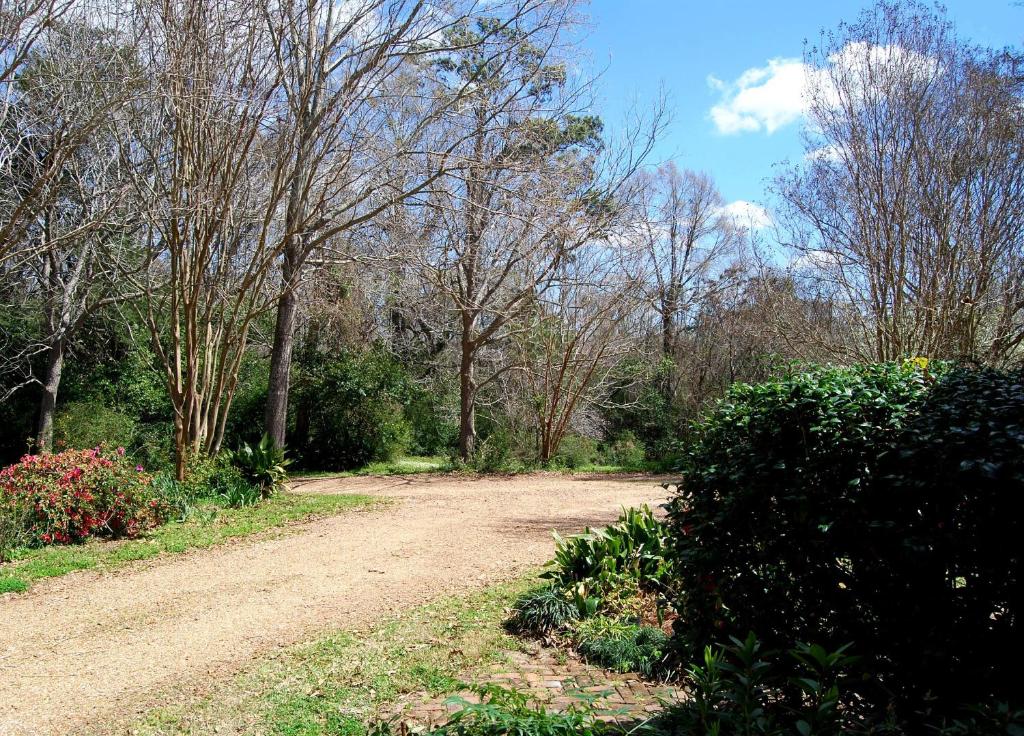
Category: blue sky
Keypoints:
(679, 44)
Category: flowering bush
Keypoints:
(74, 495)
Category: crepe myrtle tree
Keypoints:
(576, 334)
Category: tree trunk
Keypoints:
(281, 357)
(48, 403)
(467, 402)
(668, 341)
(181, 450)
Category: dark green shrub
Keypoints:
(245, 423)
(494, 453)
(938, 565)
(575, 451)
(625, 451)
(350, 411)
(433, 424)
(879, 505)
(742, 688)
(738, 688)
(642, 405)
(997, 719)
(84, 424)
(543, 611)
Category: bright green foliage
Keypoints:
(575, 451)
(594, 564)
(239, 493)
(84, 424)
(15, 522)
(623, 646)
(263, 465)
(879, 505)
(543, 610)
(625, 451)
(770, 472)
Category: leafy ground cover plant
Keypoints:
(603, 594)
(544, 610)
(78, 494)
(504, 712)
(263, 465)
(594, 564)
(739, 688)
(622, 645)
(14, 523)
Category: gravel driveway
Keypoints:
(88, 650)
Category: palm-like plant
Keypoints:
(264, 465)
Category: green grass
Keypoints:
(438, 464)
(337, 684)
(399, 466)
(215, 525)
(598, 468)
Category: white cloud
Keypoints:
(763, 98)
(769, 97)
(744, 214)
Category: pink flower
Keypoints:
(139, 468)
(120, 451)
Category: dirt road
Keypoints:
(90, 649)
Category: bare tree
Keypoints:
(77, 243)
(336, 62)
(534, 184)
(578, 332)
(362, 96)
(909, 205)
(28, 170)
(686, 237)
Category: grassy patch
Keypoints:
(336, 684)
(595, 468)
(398, 466)
(215, 524)
(438, 464)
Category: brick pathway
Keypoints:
(557, 679)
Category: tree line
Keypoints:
(228, 184)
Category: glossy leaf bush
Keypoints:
(879, 505)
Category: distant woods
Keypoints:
(217, 218)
